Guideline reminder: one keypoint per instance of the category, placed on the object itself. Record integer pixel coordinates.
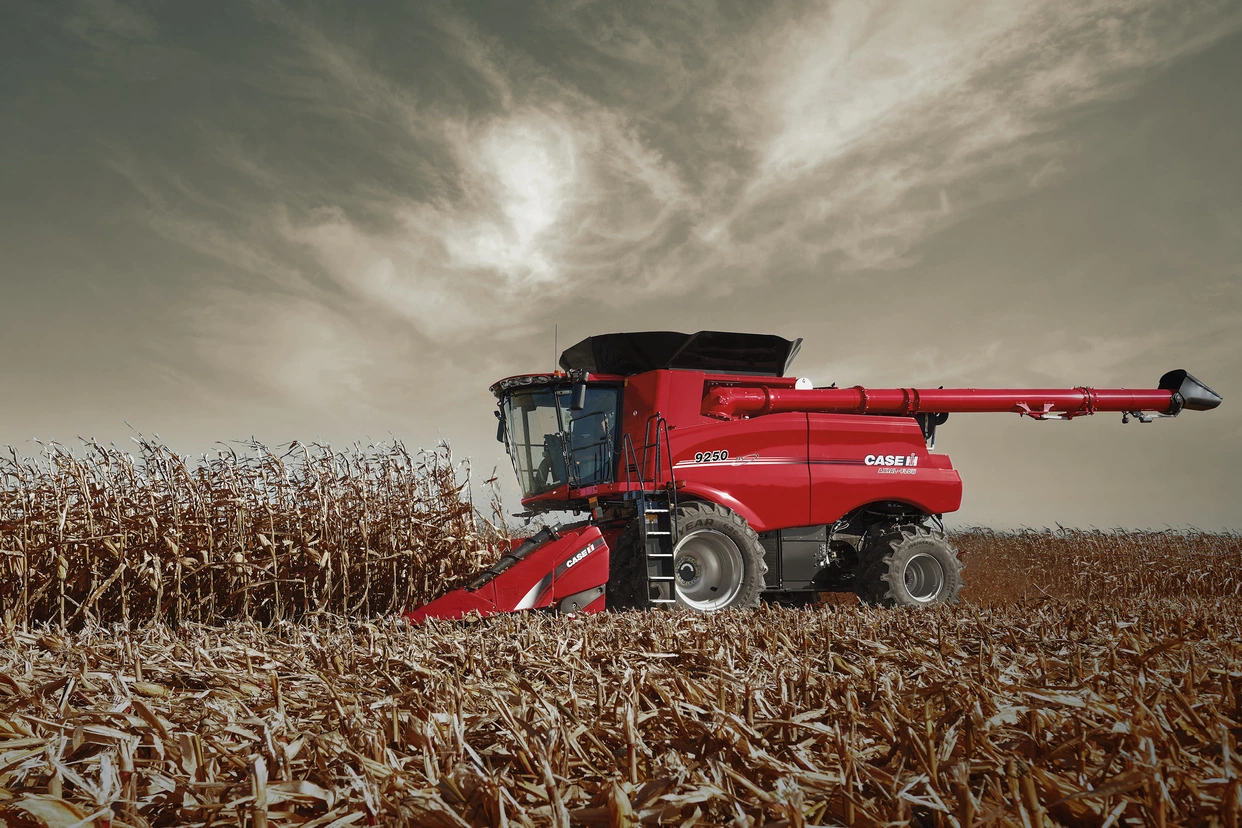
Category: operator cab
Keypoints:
(562, 430)
(559, 433)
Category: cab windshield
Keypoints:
(552, 445)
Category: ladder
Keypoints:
(655, 513)
(656, 504)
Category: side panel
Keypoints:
(541, 578)
(573, 563)
(802, 550)
(675, 395)
(756, 467)
(795, 558)
(856, 459)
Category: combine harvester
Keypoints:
(713, 481)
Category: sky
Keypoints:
(343, 222)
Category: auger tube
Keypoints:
(729, 402)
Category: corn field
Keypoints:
(1074, 564)
(1089, 678)
(100, 536)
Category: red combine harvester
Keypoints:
(712, 480)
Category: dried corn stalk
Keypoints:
(106, 537)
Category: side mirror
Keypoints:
(500, 427)
(577, 400)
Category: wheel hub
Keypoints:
(709, 570)
(924, 578)
(688, 571)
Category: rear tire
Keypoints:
(909, 566)
(719, 562)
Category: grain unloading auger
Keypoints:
(709, 479)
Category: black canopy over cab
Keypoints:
(715, 352)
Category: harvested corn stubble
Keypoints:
(1051, 713)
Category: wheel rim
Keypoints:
(708, 570)
(924, 578)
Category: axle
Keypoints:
(1178, 390)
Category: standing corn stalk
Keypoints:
(110, 537)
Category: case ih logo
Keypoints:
(587, 551)
(891, 460)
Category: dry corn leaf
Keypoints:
(52, 812)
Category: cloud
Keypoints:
(282, 349)
(633, 158)
(879, 115)
(551, 198)
(1094, 356)
(397, 274)
(528, 165)
(105, 24)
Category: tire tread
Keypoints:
(876, 572)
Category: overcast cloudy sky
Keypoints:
(344, 220)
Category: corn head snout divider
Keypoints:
(709, 479)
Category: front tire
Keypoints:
(717, 564)
(718, 561)
(909, 566)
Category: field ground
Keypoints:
(1051, 712)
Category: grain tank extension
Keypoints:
(709, 479)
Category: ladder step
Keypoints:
(659, 554)
(656, 511)
(661, 578)
(663, 600)
(654, 532)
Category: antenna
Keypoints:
(555, 364)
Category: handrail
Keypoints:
(628, 453)
(655, 419)
(672, 481)
(657, 427)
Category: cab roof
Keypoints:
(719, 352)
